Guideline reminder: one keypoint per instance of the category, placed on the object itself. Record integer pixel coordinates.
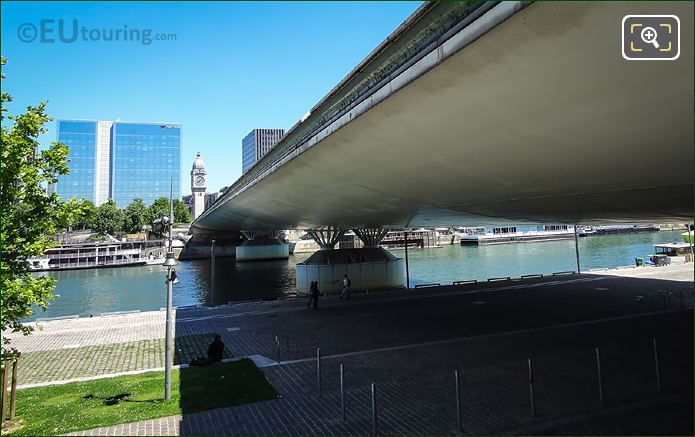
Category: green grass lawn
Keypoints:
(83, 405)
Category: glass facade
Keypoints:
(80, 137)
(144, 158)
(256, 144)
(248, 151)
(120, 160)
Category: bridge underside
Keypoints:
(539, 120)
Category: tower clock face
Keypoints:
(199, 180)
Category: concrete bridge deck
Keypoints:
(527, 113)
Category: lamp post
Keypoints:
(165, 223)
(576, 249)
(212, 273)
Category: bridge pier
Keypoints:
(369, 268)
(257, 249)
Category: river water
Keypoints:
(96, 291)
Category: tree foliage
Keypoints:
(107, 218)
(84, 220)
(79, 214)
(160, 208)
(29, 213)
(135, 216)
(181, 212)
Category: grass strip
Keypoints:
(110, 401)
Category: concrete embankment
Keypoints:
(673, 272)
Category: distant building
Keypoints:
(198, 186)
(256, 144)
(120, 160)
(210, 199)
(188, 201)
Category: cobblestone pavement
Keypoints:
(416, 394)
(107, 359)
(338, 326)
(409, 343)
(661, 416)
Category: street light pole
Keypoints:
(169, 263)
(576, 249)
(167, 339)
(212, 273)
(407, 270)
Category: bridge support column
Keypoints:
(326, 238)
(371, 237)
(369, 268)
(262, 245)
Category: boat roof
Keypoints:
(673, 245)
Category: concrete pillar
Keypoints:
(371, 237)
(326, 238)
(257, 248)
(369, 268)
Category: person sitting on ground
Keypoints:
(216, 349)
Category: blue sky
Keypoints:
(231, 68)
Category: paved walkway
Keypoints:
(415, 388)
(107, 345)
(409, 343)
(672, 272)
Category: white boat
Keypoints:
(39, 264)
(670, 253)
(515, 234)
(95, 255)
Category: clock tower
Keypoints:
(198, 185)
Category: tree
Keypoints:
(81, 213)
(160, 208)
(84, 220)
(107, 218)
(135, 216)
(29, 213)
(181, 212)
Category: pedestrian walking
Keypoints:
(314, 294)
(346, 287)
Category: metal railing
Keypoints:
(92, 254)
(97, 264)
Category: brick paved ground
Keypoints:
(415, 391)
(69, 363)
(416, 340)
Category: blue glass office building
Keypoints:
(145, 158)
(81, 138)
(120, 160)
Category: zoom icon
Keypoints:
(651, 37)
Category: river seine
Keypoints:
(86, 292)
